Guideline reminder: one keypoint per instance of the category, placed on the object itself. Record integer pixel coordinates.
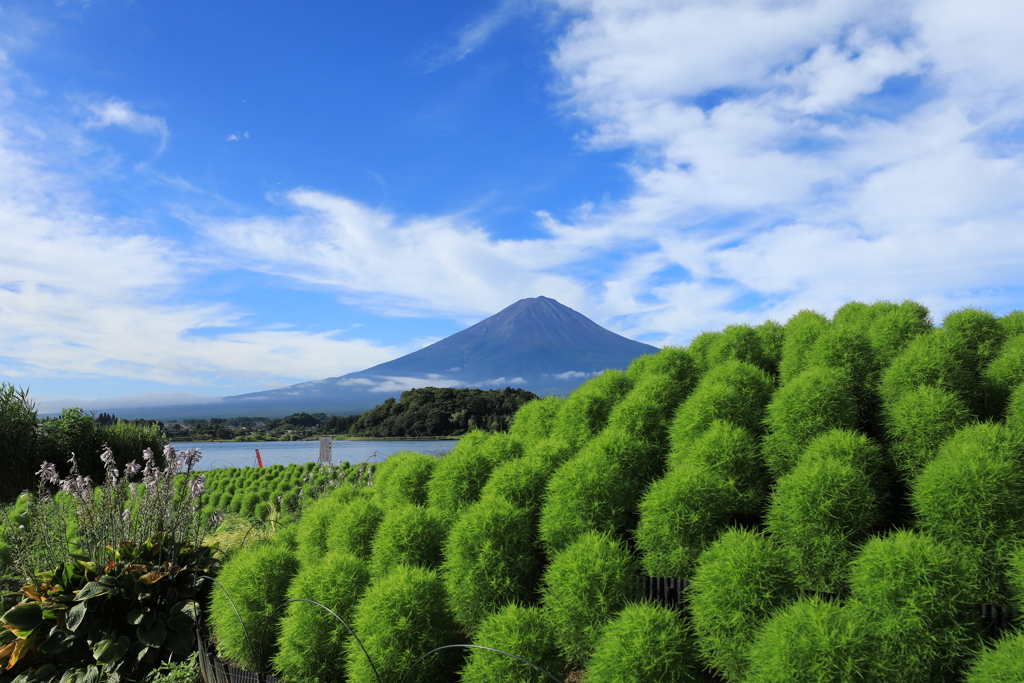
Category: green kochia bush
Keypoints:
(312, 641)
(820, 512)
(521, 482)
(584, 586)
(737, 342)
(679, 516)
(586, 411)
(812, 641)
(671, 361)
(401, 617)
(518, 630)
(935, 359)
(644, 643)
(313, 527)
(740, 580)
(801, 331)
(536, 420)
(979, 332)
(598, 489)
(732, 452)
(644, 416)
(1015, 579)
(815, 401)
(354, 526)
(735, 391)
(1002, 663)
(1015, 410)
(895, 326)
(457, 481)
(409, 534)
(402, 479)
(257, 580)
(972, 495)
(850, 350)
(913, 589)
(491, 559)
(919, 422)
(1005, 373)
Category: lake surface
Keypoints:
(243, 454)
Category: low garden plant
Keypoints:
(517, 629)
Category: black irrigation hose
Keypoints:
(478, 647)
(329, 610)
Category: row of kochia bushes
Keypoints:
(277, 490)
(871, 455)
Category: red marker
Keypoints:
(258, 458)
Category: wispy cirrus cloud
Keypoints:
(114, 112)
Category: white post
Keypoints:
(325, 448)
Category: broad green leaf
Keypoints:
(135, 617)
(154, 635)
(23, 617)
(46, 672)
(183, 614)
(93, 589)
(180, 641)
(75, 615)
(110, 649)
(89, 674)
(59, 641)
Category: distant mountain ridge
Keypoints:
(536, 344)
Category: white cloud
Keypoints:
(234, 137)
(119, 113)
(474, 36)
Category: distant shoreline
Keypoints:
(316, 438)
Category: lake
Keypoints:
(217, 454)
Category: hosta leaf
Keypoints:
(23, 617)
(75, 615)
(180, 641)
(183, 614)
(110, 649)
(46, 672)
(154, 635)
(59, 641)
(107, 581)
(135, 617)
(93, 589)
(68, 676)
(89, 674)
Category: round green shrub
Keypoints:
(820, 512)
(257, 579)
(1015, 579)
(598, 489)
(734, 453)
(408, 534)
(402, 479)
(400, 618)
(735, 342)
(554, 451)
(671, 361)
(849, 349)
(247, 507)
(919, 422)
(894, 327)
(771, 334)
(354, 525)
(521, 482)
(813, 402)
(801, 331)
(740, 580)
(312, 641)
(262, 510)
(519, 630)
(644, 416)
(500, 447)
(972, 494)
(457, 481)
(1012, 323)
(934, 358)
(679, 516)
(584, 586)
(586, 410)
(914, 589)
(855, 449)
(491, 559)
(1001, 663)
(1015, 409)
(978, 331)
(812, 641)
(701, 349)
(644, 642)
(311, 532)
(855, 315)
(1005, 373)
(734, 390)
(536, 420)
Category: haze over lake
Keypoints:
(218, 454)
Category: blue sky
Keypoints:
(201, 199)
